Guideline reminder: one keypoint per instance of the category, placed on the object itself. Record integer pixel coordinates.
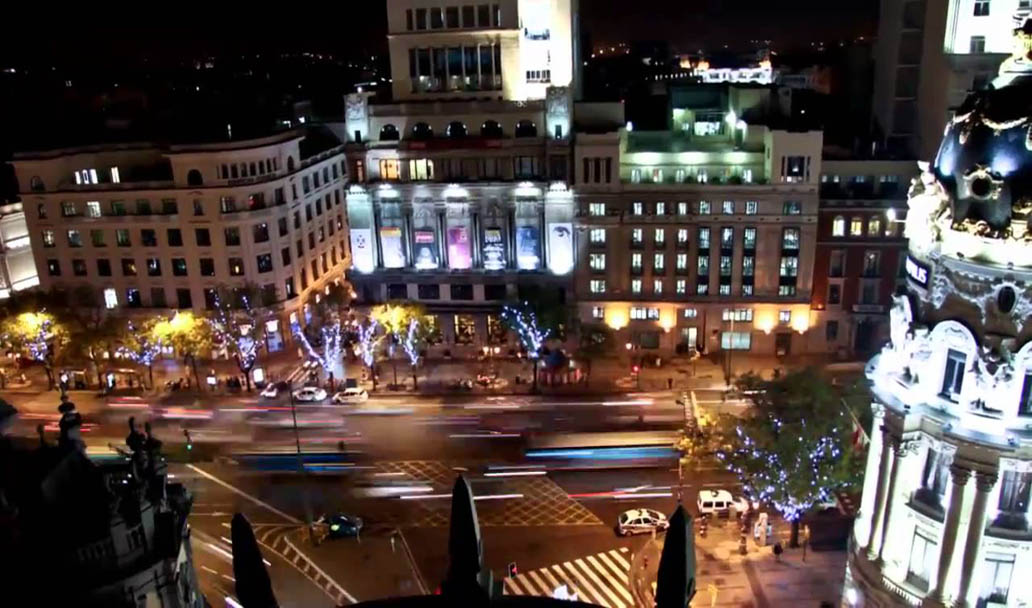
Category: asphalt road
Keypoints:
(392, 461)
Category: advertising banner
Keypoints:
(425, 249)
(528, 241)
(362, 250)
(560, 247)
(459, 250)
(494, 249)
(392, 247)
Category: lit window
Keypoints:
(747, 176)
(682, 236)
(702, 265)
(637, 236)
(48, 238)
(751, 207)
(635, 176)
(682, 208)
(93, 209)
(597, 261)
(652, 313)
(701, 176)
(704, 207)
(660, 208)
(725, 265)
(659, 237)
(728, 207)
(636, 261)
(680, 175)
(690, 313)
(658, 262)
(390, 169)
(792, 208)
(637, 208)
(704, 238)
(657, 286)
(636, 286)
(725, 289)
(874, 227)
(115, 177)
(996, 576)
(598, 286)
(737, 314)
(727, 237)
(735, 340)
(838, 226)
(785, 316)
(790, 238)
(749, 238)
(110, 298)
(681, 287)
(596, 209)
(681, 261)
(597, 236)
(598, 312)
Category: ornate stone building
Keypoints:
(945, 512)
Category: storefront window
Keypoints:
(465, 329)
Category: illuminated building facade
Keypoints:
(701, 236)
(164, 226)
(17, 266)
(860, 250)
(944, 518)
(459, 190)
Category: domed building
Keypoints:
(945, 512)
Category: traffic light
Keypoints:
(189, 441)
(513, 570)
(635, 369)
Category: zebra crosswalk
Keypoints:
(600, 579)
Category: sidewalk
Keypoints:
(725, 578)
(352, 562)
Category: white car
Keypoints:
(309, 393)
(641, 521)
(712, 502)
(271, 391)
(351, 396)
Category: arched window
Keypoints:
(389, 132)
(856, 226)
(456, 129)
(290, 164)
(193, 178)
(838, 226)
(491, 128)
(526, 128)
(36, 184)
(421, 130)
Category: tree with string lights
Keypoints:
(324, 342)
(141, 345)
(401, 322)
(794, 449)
(367, 341)
(38, 335)
(522, 320)
(239, 330)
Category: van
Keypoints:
(714, 502)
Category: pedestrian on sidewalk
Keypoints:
(669, 383)
(777, 551)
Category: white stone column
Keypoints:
(959, 476)
(901, 449)
(862, 529)
(874, 540)
(984, 484)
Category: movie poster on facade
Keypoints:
(459, 251)
(425, 249)
(527, 247)
(362, 249)
(560, 247)
(494, 249)
(392, 247)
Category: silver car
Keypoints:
(641, 521)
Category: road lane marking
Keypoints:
(619, 558)
(605, 588)
(585, 585)
(511, 587)
(240, 492)
(540, 582)
(350, 597)
(604, 558)
(551, 579)
(620, 583)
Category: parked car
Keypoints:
(351, 396)
(641, 521)
(714, 502)
(309, 393)
(341, 526)
(273, 390)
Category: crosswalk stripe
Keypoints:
(573, 586)
(620, 560)
(542, 585)
(585, 585)
(605, 589)
(620, 573)
(551, 579)
(511, 587)
(620, 582)
(528, 587)
(624, 549)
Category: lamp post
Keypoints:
(300, 462)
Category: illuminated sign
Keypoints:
(392, 248)
(917, 272)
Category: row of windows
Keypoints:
(684, 287)
(206, 266)
(132, 298)
(448, 17)
(871, 263)
(248, 169)
(662, 208)
(470, 169)
(202, 236)
(459, 68)
(456, 291)
(457, 130)
(875, 226)
(789, 237)
(693, 175)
